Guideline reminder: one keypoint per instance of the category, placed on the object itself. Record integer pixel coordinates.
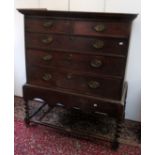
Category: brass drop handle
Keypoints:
(93, 84)
(48, 24)
(99, 27)
(98, 44)
(96, 63)
(47, 77)
(47, 57)
(47, 40)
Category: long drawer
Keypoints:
(105, 65)
(75, 81)
(74, 43)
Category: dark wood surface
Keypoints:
(76, 43)
(92, 63)
(84, 15)
(77, 27)
(70, 99)
(75, 81)
(77, 59)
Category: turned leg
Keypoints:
(115, 143)
(27, 121)
(119, 121)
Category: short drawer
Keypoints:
(74, 43)
(76, 82)
(98, 64)
(110, 29)
(47, 25)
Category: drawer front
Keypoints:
(85, 84)
(104, 65)
(114, 29)
(48, 25)
(72, 43)
(89, 28)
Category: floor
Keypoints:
(40, 140)
(59, 116)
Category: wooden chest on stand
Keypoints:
(77, 59)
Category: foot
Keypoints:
(115, 146)
(27, 122)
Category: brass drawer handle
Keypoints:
(47, 40)
(47, 57)
(98, 44)
(47, 77)
(96, 63)
(69, 76)
(48, 24)
(93, 84)
(99, 28)
(68, 57)
(72, 38)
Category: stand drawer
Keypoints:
(70, 100)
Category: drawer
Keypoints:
(47, 25)
(74, 43)
(110, 29)
(70, 100)
(105, 65)
(89, 28)
(76, 82)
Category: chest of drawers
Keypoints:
(77, 59)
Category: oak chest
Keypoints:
(77, 59)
